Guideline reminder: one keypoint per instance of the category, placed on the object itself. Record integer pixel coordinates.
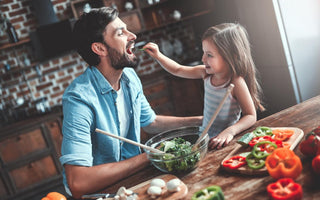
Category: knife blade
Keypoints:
(97, 195)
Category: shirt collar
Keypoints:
(103, 83)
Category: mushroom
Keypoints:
(173, 185)
(124, 194)
(154, 191)
(158, 182)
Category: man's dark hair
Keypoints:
(89, 29)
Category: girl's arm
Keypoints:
(173, 67)
(249, 117)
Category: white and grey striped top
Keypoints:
(228, 115)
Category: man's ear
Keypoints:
(99, 49)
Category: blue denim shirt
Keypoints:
(89, 103)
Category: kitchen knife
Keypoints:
(97, 195)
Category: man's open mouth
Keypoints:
(130, 46)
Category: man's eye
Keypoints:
(120, 33)
(209, 55)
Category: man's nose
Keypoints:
(131, 36)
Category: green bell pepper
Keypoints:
(263, 149)
(255, 163)
(213, 192)
(262, 131)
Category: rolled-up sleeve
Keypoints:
(147, 113)
(77, 120)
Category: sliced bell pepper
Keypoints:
(234, 162)
(282, 134)
(254, 163)
(213, 192)
(283, 163)
(263, 149)
(256, 140)
(285, 145)
(262, 131)
(285, 189)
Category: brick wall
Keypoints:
(49, 79)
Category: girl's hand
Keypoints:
(152, 49)
(221, 140)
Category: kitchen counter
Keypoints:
(305, 116)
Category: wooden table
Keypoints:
(305, 116)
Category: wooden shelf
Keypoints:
(11, 45)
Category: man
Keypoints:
(108, 96)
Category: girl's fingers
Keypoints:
(214, 143)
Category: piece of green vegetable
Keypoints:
(263, 149)
(244, 154)
(254, 163)
(262, 131)
(178, 147)
(246, 138)
(213, 192)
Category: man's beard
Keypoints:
(120, 61)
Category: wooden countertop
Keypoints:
(305, 116)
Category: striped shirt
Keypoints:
(229, 113)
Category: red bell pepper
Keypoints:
(234, 162)
(285, 189)
(256, 140)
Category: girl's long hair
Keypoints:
(233, 45)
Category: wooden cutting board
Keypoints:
(141, 190)
(293, 140)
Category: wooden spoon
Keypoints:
(204, 132)
(130, 141)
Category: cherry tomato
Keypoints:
(309, 146)
(316, 164)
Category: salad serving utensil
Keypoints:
(204, 132)
(130, 141)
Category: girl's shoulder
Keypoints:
(238, 80)
(240, 85)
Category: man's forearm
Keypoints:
(84, 180)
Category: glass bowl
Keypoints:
(170, 163)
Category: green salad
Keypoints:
(181, 149)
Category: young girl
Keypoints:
(226, 59)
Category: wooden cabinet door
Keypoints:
(14, 148)
(29, 159)
(35, 172)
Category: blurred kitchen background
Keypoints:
(37, 63)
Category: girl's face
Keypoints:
(214, 62)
